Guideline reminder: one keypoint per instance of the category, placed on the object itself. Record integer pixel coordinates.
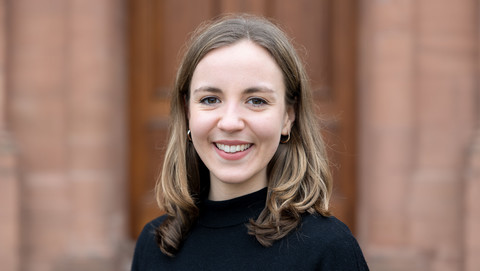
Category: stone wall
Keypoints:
(65, 90)
(419, 100)
(9, 181)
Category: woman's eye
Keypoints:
(209, 100)
(257, 101)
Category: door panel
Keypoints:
(325, 37)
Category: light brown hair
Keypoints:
(299, 179)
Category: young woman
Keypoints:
(245, 182)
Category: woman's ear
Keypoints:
(289, 120)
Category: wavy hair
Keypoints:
(299, 178)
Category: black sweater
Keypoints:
(219, 241)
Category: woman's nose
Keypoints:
(231, 119)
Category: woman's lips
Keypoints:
(232, 150)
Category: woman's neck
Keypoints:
(220, 191)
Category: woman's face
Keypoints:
(237, 113)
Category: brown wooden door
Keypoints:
(325, 33)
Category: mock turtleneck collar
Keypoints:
(220, 214)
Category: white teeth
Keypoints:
(232, 148)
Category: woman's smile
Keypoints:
(232, 148)
(233, 152)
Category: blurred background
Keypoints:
(84, 93)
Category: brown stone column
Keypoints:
(386, 130)
(472, 181)
(67, 108)
(446, 84)
(472, 206)
(419, 87)
(9, 182)
(38, 118)
(97, 130)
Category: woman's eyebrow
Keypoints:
(207, 89)
(258, 89)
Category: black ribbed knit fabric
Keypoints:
(219, 241)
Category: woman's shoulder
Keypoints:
(325, 230)
(333, 240)
(147, 236)
(317, 223)
(153, 224)
(146, 247)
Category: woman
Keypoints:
(245, 182)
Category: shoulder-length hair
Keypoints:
(299, 179)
